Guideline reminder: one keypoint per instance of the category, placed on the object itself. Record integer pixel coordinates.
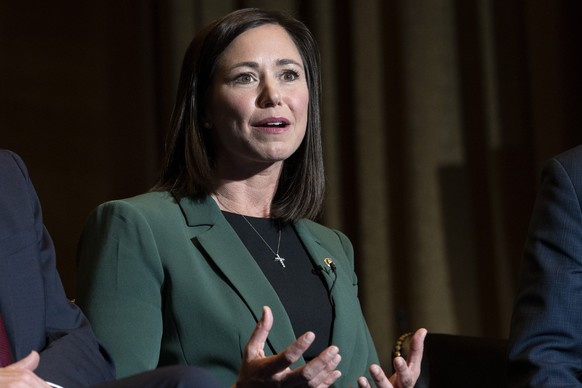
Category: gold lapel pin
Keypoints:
(329, 262)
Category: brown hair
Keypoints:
(188, 166)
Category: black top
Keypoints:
(302, 290)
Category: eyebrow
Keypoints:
(255, 65)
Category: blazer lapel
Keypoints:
(318, 254)
(339, 281)
(213, 233)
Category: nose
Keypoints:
(270, 95)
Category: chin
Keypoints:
(276, 155)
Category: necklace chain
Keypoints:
(277, 257)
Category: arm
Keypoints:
(545, 338)
(72, 355)
(120, 286)
(406, 371)
(69, 351)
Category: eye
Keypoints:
(244, 78)
(290, 75)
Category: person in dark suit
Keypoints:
(545, 348)
(43, 336)
(226, 243)
(48, 334)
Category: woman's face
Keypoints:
(258, 99)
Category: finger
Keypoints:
(363, 382)
(326, 361)
(320, 371)
(404, 374)
(400, 366)
(291, 354)
(297, 348)
(29, 362)
(256, 344)
(379, 376)
(416, 348)
(331, 378)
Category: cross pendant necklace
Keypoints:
(278, 258)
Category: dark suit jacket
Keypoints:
(546, 328)
(166, 282)
(36, 312)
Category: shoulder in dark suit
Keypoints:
(36, 312)
(546, 328)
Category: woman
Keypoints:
(182, 274)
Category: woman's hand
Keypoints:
(257, 370)
(406, 372)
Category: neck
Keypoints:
(249, 194)
(242, 200)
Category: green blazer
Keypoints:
(166, 282)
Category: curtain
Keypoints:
(437, 117)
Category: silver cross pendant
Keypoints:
(280, 260)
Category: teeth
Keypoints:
(275, 124)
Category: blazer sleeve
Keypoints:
(368, 351)
(546, 329)
(71, 356)
(120, 285)
(369, 347)
(351, 333)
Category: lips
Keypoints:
(272, 122)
